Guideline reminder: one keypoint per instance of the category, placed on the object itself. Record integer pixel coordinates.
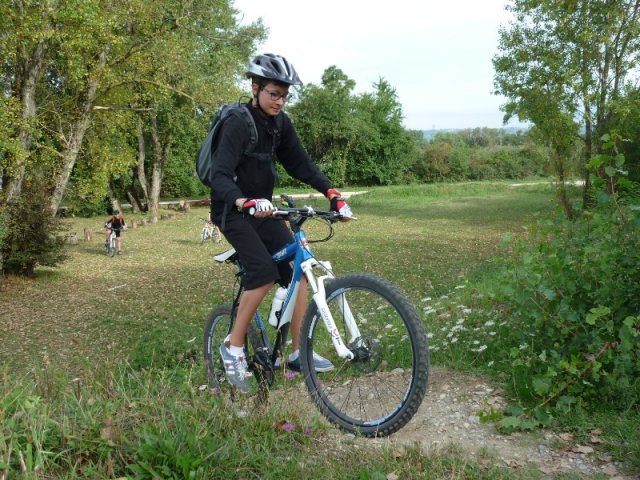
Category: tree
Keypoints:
(385, 149)
(66, 62)
(626, 125)
(564, 63)
(354, 138)
(323, 119)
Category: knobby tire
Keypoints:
(378, 393)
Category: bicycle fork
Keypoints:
(319, 297)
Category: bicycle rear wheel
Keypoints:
(216, 329)
(379, 391)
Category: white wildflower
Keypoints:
(490, 363)
(458, 287)
(492, 333)
(460, 321)
(454, 339)
(489, 323)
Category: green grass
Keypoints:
(102, 357)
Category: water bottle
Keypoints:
(276, 306)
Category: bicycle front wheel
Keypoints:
(380, 390)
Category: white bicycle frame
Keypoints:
(112, 239)
(316, 284)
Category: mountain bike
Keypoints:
(361, 322)
(209, 231)
(110, 244)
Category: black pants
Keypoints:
(255, 240)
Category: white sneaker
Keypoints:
(236, 369)
(320, 364)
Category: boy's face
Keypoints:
(271, 97)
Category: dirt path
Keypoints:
(448, 416)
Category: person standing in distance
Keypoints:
(241, 191)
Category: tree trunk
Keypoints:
(160, 152)
(76, 136)
(30, 72)
(142, 154)
(135, 206)
(587, 200)
(115, 203)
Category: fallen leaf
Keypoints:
(399, 453)
(583, 449)
(513, 463)
(595, 439)
(566, 436)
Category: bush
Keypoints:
(31, 234)
(87, 207)
(572, 296)
(442, 161)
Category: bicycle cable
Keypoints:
(331, 230)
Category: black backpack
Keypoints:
(203, 157)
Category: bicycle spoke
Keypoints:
(379, 391)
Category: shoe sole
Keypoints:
(318, 370)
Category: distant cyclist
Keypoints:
(117, 223)
(241, 191)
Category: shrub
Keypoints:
(31, 236)
(441, 161)
(572, 296)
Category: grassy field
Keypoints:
(154, 298)
(102, 356)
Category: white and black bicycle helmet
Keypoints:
(273, 67)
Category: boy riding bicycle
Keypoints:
(241, 188)
(117, 224)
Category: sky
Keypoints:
(435, 54)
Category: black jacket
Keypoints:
(236, 175)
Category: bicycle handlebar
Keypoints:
(309, 212)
